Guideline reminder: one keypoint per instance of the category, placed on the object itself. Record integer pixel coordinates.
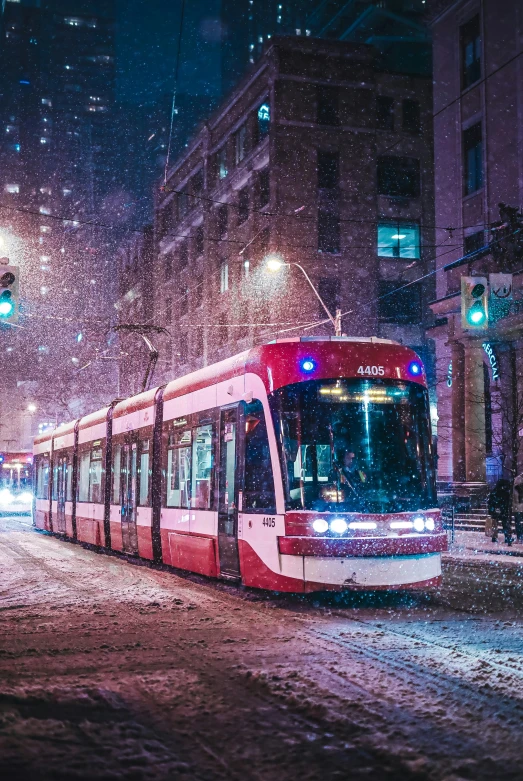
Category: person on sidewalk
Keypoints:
(517, 506)
(499, 501)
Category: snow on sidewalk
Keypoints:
(476, 546)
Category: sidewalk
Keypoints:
(476, 546)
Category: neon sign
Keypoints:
(491, 355)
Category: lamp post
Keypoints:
(274, 264)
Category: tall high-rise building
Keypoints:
(56, 180)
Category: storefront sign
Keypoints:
(491, 355)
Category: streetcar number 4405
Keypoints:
(376, 371)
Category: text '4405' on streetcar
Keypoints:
(300, 465)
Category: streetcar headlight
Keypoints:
(6, 497)
(338, 525)
(363, 525)
(419, 523)
(401, 525)
(320, 525)
(429, 524)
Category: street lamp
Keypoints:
(31, 407)
(273, 264)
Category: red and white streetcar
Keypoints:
(300, 465)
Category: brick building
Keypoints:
(478, 127)
(321, 159)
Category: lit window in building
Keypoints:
(47, 102)
(45, 229)
(45, 258)
(260, 38)
(264, 120)
(222, 163)
(44, 290)
(298, 31)
(73, 21)
(224, 277)
(398, 240)
(44, 140)
(17, 147)
(66, 191)
(44, 210)
(12, 188)
(45, 190)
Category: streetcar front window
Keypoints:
(354, 445)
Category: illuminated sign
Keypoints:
(491, 355)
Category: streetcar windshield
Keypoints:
(354, 445)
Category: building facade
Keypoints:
(316, 158)
(478, 132)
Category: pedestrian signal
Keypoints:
(474, 303)
(9, 303)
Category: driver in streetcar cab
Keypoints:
(346, 470)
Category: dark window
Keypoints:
(328, 106)
(328, 169)
(384, 113)
(240, 144)
(473, 162)
(399, 177)
(184, 253)
(411, 116)
(197, 182)
(263, 121)
(197, 292)
(258, 493)
(184, 300)
(328, 231)
(168, 310)
(243, 205)
(182, 347)
(328, 289)
(42, 476)
(473, 242)
(199, 241)
(197, 343)
(183, 204)
(222, 335)
(265, 192)
(221, 220)
(403, 306)
(470, 52)
(168, 266)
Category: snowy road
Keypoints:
(111, 670)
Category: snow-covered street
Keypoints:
(112, 670)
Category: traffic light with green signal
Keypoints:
(9, 303)
(474, 303)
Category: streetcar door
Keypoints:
(61, 487)
(228, 494)
(129, 473)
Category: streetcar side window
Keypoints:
(84, 463)
(56, 468)
(42, 477)
(202, 468)
(178, 471)
(258, 493)
(69, 478)
(95, 476)
(145, 474)
(116, 473)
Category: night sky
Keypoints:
(146, 40)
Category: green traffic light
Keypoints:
(476, 315)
